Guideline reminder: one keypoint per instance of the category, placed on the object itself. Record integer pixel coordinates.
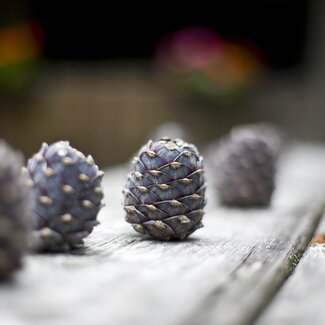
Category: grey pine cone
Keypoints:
(164, 195)
(271, 134)
(245, 166)
(171, 129)
(68, 195)
(15, 211)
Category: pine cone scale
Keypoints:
(150, 160)
(155, 212)
(164, 192)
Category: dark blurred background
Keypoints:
(89, 72)
(92, 31)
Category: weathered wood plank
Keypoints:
(253, 284)
(241, 257)
(301, 299)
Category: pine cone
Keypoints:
(165, 192)
(245, 169)
(270, 133)
(68, 195)
(15, 211)
(171, 129)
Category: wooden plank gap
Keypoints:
(251, 287)
(300, 300)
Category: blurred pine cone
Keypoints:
(68, 195)
(165, 192)
(245, 165)
(15, 211)
(272, 135)
(171, 130)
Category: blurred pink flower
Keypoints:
(190, 48)
(197, 60)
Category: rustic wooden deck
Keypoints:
(243, 267)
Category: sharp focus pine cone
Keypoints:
(165, 192)
(245, 168)
(68, 195)
(15, 211)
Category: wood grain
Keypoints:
(226, 273)
(301, 299)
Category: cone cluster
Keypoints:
(164, 196)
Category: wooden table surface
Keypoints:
(245, 266)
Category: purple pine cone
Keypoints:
(15, 211)
(245, 166)
(68, 195)
(164, 196)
